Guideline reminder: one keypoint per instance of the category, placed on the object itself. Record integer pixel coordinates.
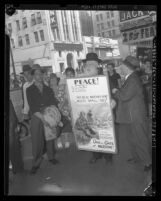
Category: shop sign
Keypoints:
(128, 15)
(53, 19)
(139, 34)
(131, 24)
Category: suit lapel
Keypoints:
(127, 80)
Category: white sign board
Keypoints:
(92, 117)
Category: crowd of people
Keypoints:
(131, 101)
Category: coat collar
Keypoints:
(129, 77)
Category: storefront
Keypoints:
(107, 49)
(138, 30)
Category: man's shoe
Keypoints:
(54, 161)
(147, 167)
(34, 170)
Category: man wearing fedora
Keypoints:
(29, 81)
(40, 96)
(131, 114)
(91, 69)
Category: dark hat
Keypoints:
(36, 67)
(131, 62)
(92, 57)
(26, 68)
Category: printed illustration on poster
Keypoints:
(92, 118)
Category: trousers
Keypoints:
(138, 140)
(39, 145)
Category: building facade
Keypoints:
(106, 24)
(106, 48)
(86, 23)
(50, 38)
(138, 29)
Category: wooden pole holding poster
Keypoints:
(91, 113)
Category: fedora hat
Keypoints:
(92, 57)
(131, 62)
(26, 68)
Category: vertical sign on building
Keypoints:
(53, 19)
(54, 24)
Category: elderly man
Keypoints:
(131, 113)
(40, 96)
(91, 69)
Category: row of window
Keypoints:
(100, 16)
(101, 25)
(110, 33)
(27, 38)
(35, 19)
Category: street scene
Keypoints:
(80, 106)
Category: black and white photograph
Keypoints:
(81, 107)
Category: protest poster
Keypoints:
(91, 112)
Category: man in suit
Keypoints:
(40, 96)
(132, 115)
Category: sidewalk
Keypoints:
(75, 176)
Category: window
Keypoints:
(109, 33)
(78, 53)
(33, 20)
(103, 34)
(39, 19)
(59, 53)
(24, 23)
(98, 27)
(27, 39)
(108, 24)
(61, 67)
(97, 17)
(108, 15)
(66, 25)
(36, 37)
(18, 25)
(112, 14)
(113, 32)
(20, 44)
(101, 16)
(102, 26)
(13, 43)
(9, 27)
(113, 23)
(42, 35)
